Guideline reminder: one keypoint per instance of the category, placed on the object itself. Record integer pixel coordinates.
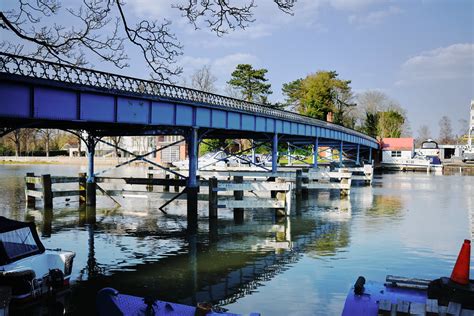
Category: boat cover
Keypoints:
(111, 303)
(18, 240)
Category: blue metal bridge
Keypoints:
(41, 94)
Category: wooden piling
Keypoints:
(90, 193)
(82, 188)
(299, 185)
(238, 196)
(149, 187)
(176, 187)
(166, 188)
(30, 200)
(47, 191)
(305, 180)
(282, 196)
(213, 198)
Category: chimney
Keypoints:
(330, 117)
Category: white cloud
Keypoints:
(225, 65)
(444, 63)
(374, 17)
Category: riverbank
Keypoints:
(63, 160)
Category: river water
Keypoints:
(409, 224)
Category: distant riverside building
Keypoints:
(397, 149)
(470, 140)
(173, 153)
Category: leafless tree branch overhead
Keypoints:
(102, 27)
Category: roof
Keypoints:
(401, 144)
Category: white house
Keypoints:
(396, 150)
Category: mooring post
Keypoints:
(30, 200)
(90, 182)
(192, 185)
(166, 187)
(149, 187)
(82, 188)
(299, 185)
(304, 180)
(275, 153)
(282, 196)
(212, 198)
(316, 153)
(238, 196)
(176, 186)
(47, 191)
(358, 154)
(340, 153)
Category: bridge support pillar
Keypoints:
(370, 155)
(358, 155)
(90, 181)
(275, 153)
(316, 153)
(289, 154)
(340, 153)
(192, 185)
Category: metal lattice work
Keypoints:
(30, 67)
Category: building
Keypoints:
(395, 150)
(173, 153)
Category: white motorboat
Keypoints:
(26, 267)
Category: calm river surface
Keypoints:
(405, 224)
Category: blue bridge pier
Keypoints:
(94, 104)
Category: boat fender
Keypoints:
(359, 286)
(445, 291)
(56, 278)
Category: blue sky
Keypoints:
(419, 52)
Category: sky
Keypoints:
(419, 52)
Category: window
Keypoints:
(396, 153)
(18, 242)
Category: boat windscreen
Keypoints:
(18, 243)
(429, 145)
(18, 240)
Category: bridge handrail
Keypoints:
(41, 69)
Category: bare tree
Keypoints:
(47, 137)
(203, 79)
(16, 137)
(424, 133)
(103, 29)
(445, 130)
(116, 140)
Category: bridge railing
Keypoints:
(41, 69)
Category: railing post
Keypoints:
(213, 198)
(47, 191)
(149, 187)
(358, 154)
(340, 153)
(238, 196)
(30, 200)
(275, 153)
(316, 153)
(82, 188)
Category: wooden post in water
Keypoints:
(176, 187)
(30, 200)
(299, 185)
(82, 188)
(304, 180)
(272, 193)
(166, 188)
(47, 191)
(238, 196)
(149, 187)
(212, 198)
(281, 196)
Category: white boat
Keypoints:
(209, 161)
(26, 267)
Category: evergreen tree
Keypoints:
(250, 82)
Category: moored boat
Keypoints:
(27, 269)
(112, 303)
(406, 296)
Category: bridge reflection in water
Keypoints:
(150, 253)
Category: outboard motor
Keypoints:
(458, 288)
(56, 279)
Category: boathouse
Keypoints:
(396, 149)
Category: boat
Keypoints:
(403, 296)
(112, 303)
(27, 270)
